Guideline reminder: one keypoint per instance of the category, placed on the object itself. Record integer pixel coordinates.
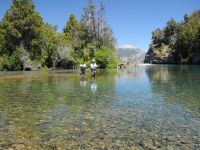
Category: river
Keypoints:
(142, 107)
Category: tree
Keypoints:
(21, 23)
(96, 34)
(63, 52)
(73, 33)
(27, 43)
(157, 37)
(20, 26)
(104, 32)
(2, 38)
(180, 41)
(88, 22)
(49, 42)
(101, 24)
(186, 44)
(72, 30)
(171, 32)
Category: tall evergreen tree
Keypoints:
(21, 23)
(2, 38)
(20, 29)
(72, 30)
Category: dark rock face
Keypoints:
(150, 57)
(195, 59)
(31, 67)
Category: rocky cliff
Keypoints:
(170, 57)
(163, 56)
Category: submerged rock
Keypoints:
(19, 146)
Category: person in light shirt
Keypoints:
(82, 68)
(93, 67)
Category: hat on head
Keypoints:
(93, 60)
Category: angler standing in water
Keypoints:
(93, 67)
(82, 68)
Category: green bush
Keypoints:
(1, 63)
(106, 58)
(45, 68)
(11, 63)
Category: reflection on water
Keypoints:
(177, 85)
(143, 107)
(83, 82)
(93, 85)
(131, 73)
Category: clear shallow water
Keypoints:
(145, 107)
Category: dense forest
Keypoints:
(28, 43)
(177, 43)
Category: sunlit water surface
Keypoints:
(143, 107)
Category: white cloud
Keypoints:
(127, 46)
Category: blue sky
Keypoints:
(131, 20)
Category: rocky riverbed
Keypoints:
(140, 108)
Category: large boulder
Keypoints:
(31, 67)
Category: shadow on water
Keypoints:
(144, 107)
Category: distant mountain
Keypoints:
(126, 50)
(131, 53)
